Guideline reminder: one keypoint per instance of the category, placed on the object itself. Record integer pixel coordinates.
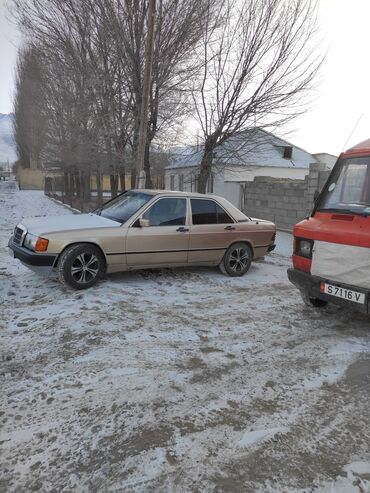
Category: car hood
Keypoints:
(55, 224)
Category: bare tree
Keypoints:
(29, 114)
(259, 66)
(82, 88)
(92, 52)
(178, 32)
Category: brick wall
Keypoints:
(283, 201)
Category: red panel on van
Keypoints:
(321, 227)
(302, 263)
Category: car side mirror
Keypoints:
(144, 223)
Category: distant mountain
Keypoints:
(7, 145)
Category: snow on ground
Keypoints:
(177, 380)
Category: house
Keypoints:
(240, 159)
(328, 159)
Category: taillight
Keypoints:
(303, 247)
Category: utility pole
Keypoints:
(140, 173)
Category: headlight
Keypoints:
(30, 241)
(304, 248)
(35, 243)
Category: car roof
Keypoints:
(231, 209)
(177, 192)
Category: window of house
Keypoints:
(210, 184)
(193, 183)
(287, 152)
(181, 183)
(172, 182)
(208, 212)
(167, 212)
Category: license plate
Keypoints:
(344, 293)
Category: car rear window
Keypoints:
(208, 212)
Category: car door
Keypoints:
(165, 241)
(211, 232)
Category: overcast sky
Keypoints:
(343, 95)
(9, 40)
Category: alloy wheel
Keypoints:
(85, 268)
(238, 259)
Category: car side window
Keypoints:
(167, 212)
(222, 216)
(208, 212)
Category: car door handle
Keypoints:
(229, 228)
(182, 229)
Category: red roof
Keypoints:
(359, 150)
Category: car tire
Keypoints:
(312, 302)
(80, 266)
(237, 260)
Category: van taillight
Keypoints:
(303, 247)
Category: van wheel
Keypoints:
(312, 302)
(80, 266)
(237, 260)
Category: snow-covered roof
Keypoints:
(249, 148)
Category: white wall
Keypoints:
(231, 191)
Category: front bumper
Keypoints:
(41, 263)
(311, 286)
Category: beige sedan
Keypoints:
(143, 229)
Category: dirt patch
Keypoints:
(358, 375)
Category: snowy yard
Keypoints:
(177, 380)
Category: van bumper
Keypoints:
(41, 263)
(310, 285)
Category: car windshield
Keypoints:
(123, 207)
(348, 190)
